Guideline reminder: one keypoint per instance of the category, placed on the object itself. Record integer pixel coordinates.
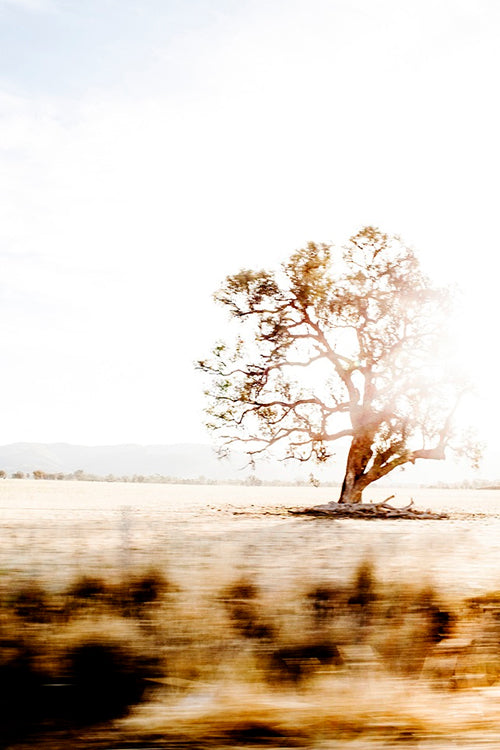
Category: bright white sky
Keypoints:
(150, 147)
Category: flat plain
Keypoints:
(60, 529)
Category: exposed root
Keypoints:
(381, 510)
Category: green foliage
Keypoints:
(338, 344)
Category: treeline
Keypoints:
(83, 476)
(252, 480)
(467, 484)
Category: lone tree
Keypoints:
(338, 344)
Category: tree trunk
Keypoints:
(355, 478)
(350, 493)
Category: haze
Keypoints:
(149, 149)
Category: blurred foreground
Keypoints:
(130, 618)
(140, 661)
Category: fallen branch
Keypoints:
(384, 502)
(369, 511)
(409, 504)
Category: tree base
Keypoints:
(369, 510)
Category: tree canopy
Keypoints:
(337, 344)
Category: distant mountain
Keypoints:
(185, 461)
(191, 461)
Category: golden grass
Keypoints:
(232, 664)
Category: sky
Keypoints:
(148, 148)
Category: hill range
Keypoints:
(193, 461)
(184, 460)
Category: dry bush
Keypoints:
(130, 595)
(80, 668)
(242, 605)
(104, 678)
(235, 663)
(30, 602)
(326, 600)
(21, 686)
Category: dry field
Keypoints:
(205, 617)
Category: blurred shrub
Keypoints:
(20, 690)
(130, 596)
(104, 678)
(326, 601)
(241, 602)
(87, 588)
(364, 586)
(93, 681)
(439, 619)
(296, 662)
(31, 603)
(135, 593)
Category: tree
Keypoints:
(338, 345)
